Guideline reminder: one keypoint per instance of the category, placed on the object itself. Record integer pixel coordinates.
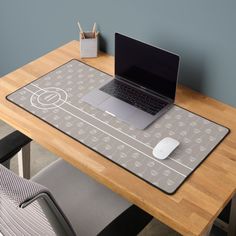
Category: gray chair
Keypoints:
(61, 200)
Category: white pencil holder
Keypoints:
(88, 45)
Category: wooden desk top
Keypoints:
(193, 207)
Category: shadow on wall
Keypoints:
(102, 43)
(192, 71)
(192, 62)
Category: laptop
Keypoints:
(144, 84)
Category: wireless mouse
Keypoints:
(165, 147)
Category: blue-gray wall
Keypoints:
(201, 31)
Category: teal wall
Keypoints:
(202, 31)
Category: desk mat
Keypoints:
(55, 98)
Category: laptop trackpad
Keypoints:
(95, 97)
(117, 107)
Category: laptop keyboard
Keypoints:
(133, 96)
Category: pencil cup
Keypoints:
(88, 44)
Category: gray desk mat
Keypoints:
(55, 98)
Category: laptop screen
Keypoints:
(145, 65)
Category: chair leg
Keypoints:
(24, 161)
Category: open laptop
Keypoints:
(144, 85)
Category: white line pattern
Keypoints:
(118, 130)
(116, 138)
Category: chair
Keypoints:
(61, 200)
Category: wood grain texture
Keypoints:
(193, 208)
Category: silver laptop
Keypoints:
(144, 85)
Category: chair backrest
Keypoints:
(27, 208)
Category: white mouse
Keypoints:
(165, 147)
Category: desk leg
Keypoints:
(24, 161)
(232, 218)
(6, 164)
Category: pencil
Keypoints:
(94, 30)
(81, 30)
(94, 27)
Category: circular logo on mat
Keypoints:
(48, 98)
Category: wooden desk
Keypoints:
(193, 208)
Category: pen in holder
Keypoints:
(88, 42)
